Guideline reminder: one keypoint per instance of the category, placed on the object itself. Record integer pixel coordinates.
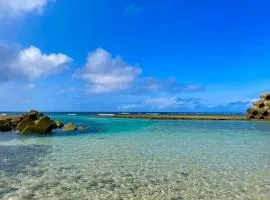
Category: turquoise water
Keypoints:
(139, 159)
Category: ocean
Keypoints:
(138, 159)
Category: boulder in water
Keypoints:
(35, 122)
(70, 127)
(44, 125)
(24, 123)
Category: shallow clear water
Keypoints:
(139, 159)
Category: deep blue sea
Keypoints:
(138, 159)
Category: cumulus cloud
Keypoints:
(29, 63)
(19, 7)
(105, 73)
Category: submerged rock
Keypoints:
(70, 127)
(82, 128)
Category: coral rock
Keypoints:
(70, 127)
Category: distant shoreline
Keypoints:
(158, 117)
(183, 117)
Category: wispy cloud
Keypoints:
(163, 103)
(176, 104)
(171, 86)
(132, 8)
(30, 86)
(130, 107)
(240, 106)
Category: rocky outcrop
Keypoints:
(261, 108)
(36, 122)
(30, 122)
(24, 123)
(6, 125)
(33, 115)
(42, 125)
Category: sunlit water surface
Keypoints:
(139, 159)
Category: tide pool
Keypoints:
(139, 159)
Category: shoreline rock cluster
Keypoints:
(8, 124)
(30, 122)
(261, 108)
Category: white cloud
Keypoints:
(162, 102)
(130, 106)
(33, 63)
(192, 87)
(19, 7)
(105, 73)
(30, 86)
(29, 63)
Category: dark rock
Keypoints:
(5, 126)
(33, 115)
(8, 124)
(184, 174)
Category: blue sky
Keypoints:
(133, 55)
